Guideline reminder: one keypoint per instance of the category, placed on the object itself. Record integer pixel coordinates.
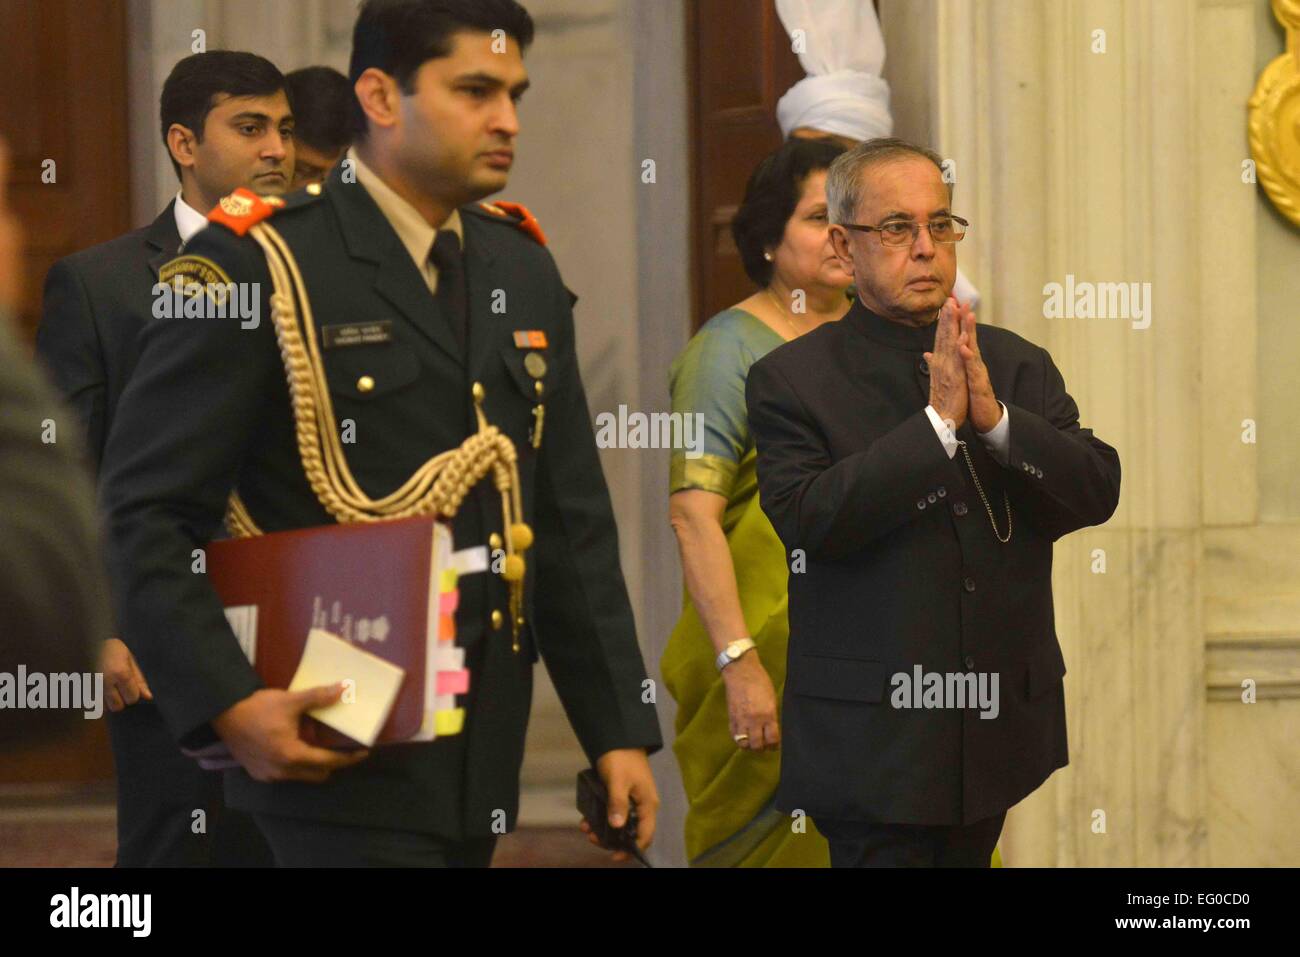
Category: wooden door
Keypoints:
(63, 112)
(740, 64)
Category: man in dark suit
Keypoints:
(226, 123)
(425, 306)
(321, 98)
(924, 694)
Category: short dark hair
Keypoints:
(192, 87)
(398, 36)
(321, 98)
(771, 196)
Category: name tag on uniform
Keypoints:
(356, 334)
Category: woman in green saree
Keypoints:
(734, 566)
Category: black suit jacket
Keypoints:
(96, 302)
(208, 411)
(903, 569)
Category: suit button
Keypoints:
(1038, 472)
(498, 619)
(970, 663)
(365, 384)
(923, 367)
(1024, 466)
(921, 504)
(959, 508)
(968, 584)
(932, 498)
(942, 491)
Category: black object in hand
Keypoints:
(593, 804)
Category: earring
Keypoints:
(767, 256)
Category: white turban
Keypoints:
(847, 103)
(843, 52)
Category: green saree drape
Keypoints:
(731, 821)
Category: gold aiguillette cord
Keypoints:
(438, 487)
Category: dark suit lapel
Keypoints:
(370, 238)
(163, 239)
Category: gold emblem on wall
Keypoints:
(1274, 124)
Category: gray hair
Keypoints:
(844, 178)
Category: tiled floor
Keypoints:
(77, 830)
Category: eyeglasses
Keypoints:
(902, 232)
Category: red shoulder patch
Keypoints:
(527, 221)
(243, 209)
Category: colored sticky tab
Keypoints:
(450, 721)
(447, 580)
(446, 628)
(448, 602)
(453, 682)
(448, 658)
(470, 560)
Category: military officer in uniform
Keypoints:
(429, 310)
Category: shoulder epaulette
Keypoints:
(518, 214)
(243, 209)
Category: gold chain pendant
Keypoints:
(984, 498)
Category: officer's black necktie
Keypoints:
(451, 296)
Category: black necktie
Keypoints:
(451, 296)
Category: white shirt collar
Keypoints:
(188, 219)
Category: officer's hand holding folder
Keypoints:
(370, 605)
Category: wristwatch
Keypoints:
(733, 651)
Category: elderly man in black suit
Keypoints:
(924, 694)
(226, 122)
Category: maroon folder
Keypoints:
(374, 584)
